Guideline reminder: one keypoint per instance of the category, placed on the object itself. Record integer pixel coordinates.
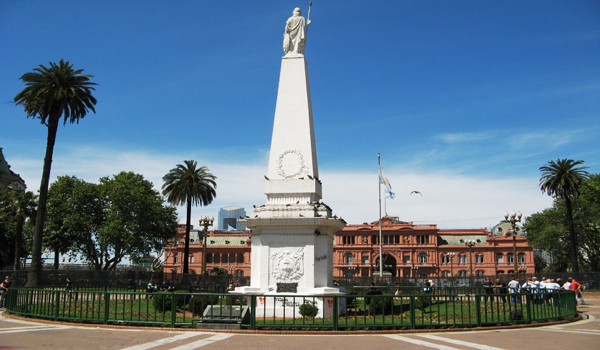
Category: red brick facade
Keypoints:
(409, 251)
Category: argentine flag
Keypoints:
(388, 188)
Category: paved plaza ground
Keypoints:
(17, 333)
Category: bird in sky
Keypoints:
(417, 192)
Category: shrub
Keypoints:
(308, 309)
(381, 305)
(422, 300)
(163, 301)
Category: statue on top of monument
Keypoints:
(294, 38)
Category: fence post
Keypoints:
(252, 311)
(335, 312)
(173, 310)
(57, 305)
(528, 301)
(106, 306)
(412, 312)
(478, 309)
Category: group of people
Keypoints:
(532, 285)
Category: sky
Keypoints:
(465, 100)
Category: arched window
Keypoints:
(348, 259)
(209, 258)
(510, 258)
(479, 273)
(462, 259)
(462, 273)
(521, 258)
(444, 259)
(499, 258)
(423, 258)
(479, 259)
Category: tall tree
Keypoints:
(187, 184)
(563, 179)
(121, 216)
(17, 206)
(51, 93)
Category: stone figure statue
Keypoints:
(294, 38)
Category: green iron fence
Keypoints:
(370, 309)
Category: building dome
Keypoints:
(503, 227)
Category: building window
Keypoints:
(209, 258)
(462, 259)
(479, 259)
(521, 258)
(406, 259)
(479, 273)
(445, 273)
(240, 258)
(462, 273)
(365, 259)
(444, 259)
(422, 239)
(510, 258)
(374, 239)
(423, 258)
(348, 239)
(175, 258)
(348, 259)
(499, 258)
(191, 258)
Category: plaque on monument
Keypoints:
(287, 287)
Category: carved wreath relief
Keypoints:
(290, 163)
(287, 265)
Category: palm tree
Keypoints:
(187, 184)
(52, 93)
(563, 179)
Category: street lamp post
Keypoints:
(470, 243)
(513, 218)
(451, 257)
(205, 222)
(231, 270)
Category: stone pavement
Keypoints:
(16, 333)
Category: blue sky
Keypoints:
(465, 100)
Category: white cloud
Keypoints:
(448, 200)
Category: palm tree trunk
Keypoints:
(186, 251)
(572, 237)
(35, 271)
(56, 258)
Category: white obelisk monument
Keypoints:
(292, 234)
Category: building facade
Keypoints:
(424, 250)
(409, 250)
(8, 178)
(224, 249)
(228, 217)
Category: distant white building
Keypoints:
(228, 218)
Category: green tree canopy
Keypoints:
(121, 216)
(549, 230)
(51, 93)
(563, 179)
(16, 207)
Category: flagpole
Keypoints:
(380, 240)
